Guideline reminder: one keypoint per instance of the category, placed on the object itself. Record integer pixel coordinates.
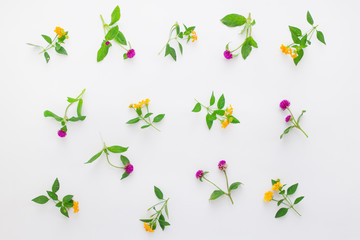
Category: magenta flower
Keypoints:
(284, 104)
(199, 174)
(222, 165)
(107, 43)
(61, 133)
(288, 118)
(130, 53)
(129, 168)
(228, 54)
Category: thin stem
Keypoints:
(213, 184)
(107, 157)
(296, 124)
(227, 185)
(147, 122)
(65, 115)
(302, 131)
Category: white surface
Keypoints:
(325, 83)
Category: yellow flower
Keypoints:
(277, 186)
(294, 55)
(131, 106)
(147, 101)
(268, 196)
(193, 36)
(76, 206)
(229, 110)
(60, 31)
(148, 228)
(225, 123)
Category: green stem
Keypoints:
(147, 122)
(107, 28)
(65, 115)
(213, 184)
(227, 185)
(107, 157)
(296, 124)
(160, 211)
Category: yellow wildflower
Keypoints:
(60, 31)
(277, 186)
(193, 36)
(131, 106)
(148, 228)
(268, 196)
(147, 101)
(225, 123)
(76, 206)
(229, 110)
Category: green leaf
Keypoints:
(166, 210)
(298, 120)
(64, 128)
(292, 189)
(177, 29)
(197, 108)
(309, 18)
(117, 149)
(124, 160)
(212, 99)
(64, 211)
(96, 156)
(132, 121)
(112, 33)
(74, 119)
(53, 115)
(68, 198)
(252, 42)
(209, 121)
(159, 117)
(273, 182)
(79, 107)
(320, 37)
(221, 102)
(216, 194)
(59, 204)
(233, 20)
(47, 57)
(145, 126)
(115, 15)
(52, 195)
(286, 131)
(282, 212)
(148, 115)
(61, 50)
(220, 112)
(138, 111)
(72, 100)
(103, 51)
(303, 41)
(158, 193)
(300, 54)
(245, 50)
(47, 38)
(234, 119)
(125, 175)
(295, 38)
(41, 199)
(234, 186)
(120, 38)
(146, 220)
(181, 48)
(69, 204)
(280, 201)
(296, 31)
(55, 186)
(298, 199)
(171, 51)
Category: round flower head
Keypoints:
(130, 53)
(277, 186)
(288, 118)
(284, 104)
(222, 165)
(129, 168)
(107, 43)
(61, 133)
(199, 174)
(268, 196)
(228, 54)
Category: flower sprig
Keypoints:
(56, 42)
(285, 200)
(64, 205)
(63, 120)
(284, 105)
(225, 116)
(128, 167)
(112, 32)
(158, 216)
(200, 174)
(236, 20)
(301, 40)
(147, 117)
(176, 35)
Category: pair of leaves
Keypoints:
(162, 222)
(60, 49)
(247, 46)
(319, 34)
(170, 50)
(113, 149)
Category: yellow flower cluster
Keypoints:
(148, 228)
(193, 36)
(228, 120)
(76, 207)
(288, 50)
(60, 31)
(140, 104)
(269, 195)
(277, 186)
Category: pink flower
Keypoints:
(288, 118)
(228, 54)
(61, 133)
(284, 104)
(129, 168)
(199, 174)
(107, 43)
(130, 53)
(222, 165)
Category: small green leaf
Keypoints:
(282, 212)
(197, 108)
(52, 195)
(47, 38)
(59, 204)
(132, 121)
(55, 186)
(273, 182)
(145, 126)
(309, 18)
(68, 198)
(220, 112)
(234, 120)
(300, 54)
(166, 210)
(303, 41)
(138, 111)
(181, 48)
(148, 115)
(158, 193)
(69, 204)
(146, 220)
(298, 200)
(296, 31)
(171, 51)
(112, 33)
(209, 121)
(252, 42)
(61, 50)
(292, 189)
(120, 38)
(79, 107)
(320, 37)
(286, 131)
(212, 99)
(53, 115)
(103, 51)
(125, 175)
(234, 186)
(72, 100)
(221, 102)
(280, 201)
(298, 120)
(233, 20)
(64, 211)
(216, 194)
(96, 156)
(117, 149)
(159, 117)
(245, 50)
(47, 57)
(115, 15)
(41, 199)
(124, 160)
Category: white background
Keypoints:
(325, 83)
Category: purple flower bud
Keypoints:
(199, 174)
(284, 104)
(222, 165)
(61, 133)
(130, 53)
(107, 43)
(129, 168)
(288, 118)
(228, 54)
